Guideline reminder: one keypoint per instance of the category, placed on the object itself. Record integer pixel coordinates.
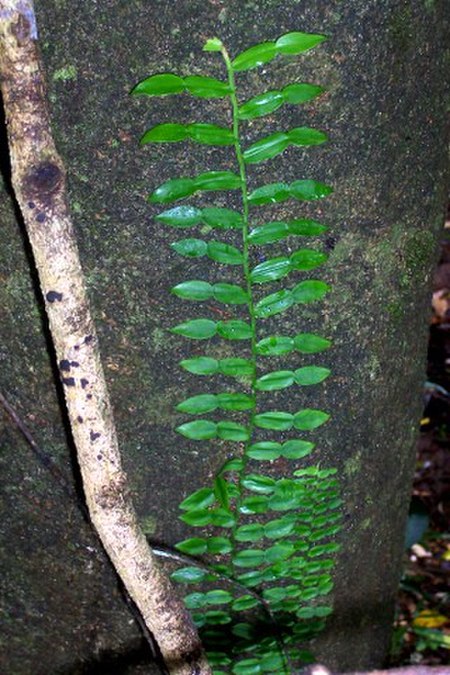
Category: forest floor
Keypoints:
(422, 628)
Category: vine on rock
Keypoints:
(260, 598)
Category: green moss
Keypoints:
(148, 525)
(64, 74)
(366, 523)
(401, 29)
(353, 465)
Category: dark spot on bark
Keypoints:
(53, 296)
(74, 364)
(41, 217)
(94, 435)
(64, 365)
(89, 396)
(79, 419)
(84, 383)
(31, 205)
(77, 347)
(112, 496)
(330, 243)
(99, 457)
(88, 339)
(42, 181)
(68, 381)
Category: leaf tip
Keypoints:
(212, 45)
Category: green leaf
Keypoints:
(247, 667)
(231, 431)
(271, 270)
(234, 329)
(267, 147)
(180, 216)
(260, 484)
(190, 248)
(307, 259)
(251, 557)
(160, 85)
(198, 499)
(252, 532)
(193, 546)
(235, 401)
(260, 105)
(212, 45)
(210, 134)
(196, 329)
(217, 180)
(301, 92)
(197, 405)
(236, 367)
(275, 345)
(273, 595)
(206, 87)
(221, 491)
(224, 253)
(189, 575)
(218, 597)
(306, 136)
(307, 190)
(222, 218)
(173, 189)
(274, 304)
(222, 518)
(255, 56)
(219, 545)
(279, 379)
(264, 450)
(276, 143)
(309, 291)
(193, 290)
(279, 421)
(296, 449)
(257, 504)
(200, 430)
(200, 365)
(306, 228)
(233, 464)
(197, 517)
(310, 375)
(308, 419)
(268, 233)
(279, 552)
(229, 294)
(296, 43)
(269, 194)
(244, 602)
(195, 600)
(275, 529)
(165, 133)
(308, 343)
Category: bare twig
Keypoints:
(38, 178)
(318, 669)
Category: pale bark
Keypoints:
(38, 178)
(406, 670)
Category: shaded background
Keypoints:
(386, 69)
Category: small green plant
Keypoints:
(268, 541)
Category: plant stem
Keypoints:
(38, 178)
(250, 304)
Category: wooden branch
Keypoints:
(38, 178)
(318, 669)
